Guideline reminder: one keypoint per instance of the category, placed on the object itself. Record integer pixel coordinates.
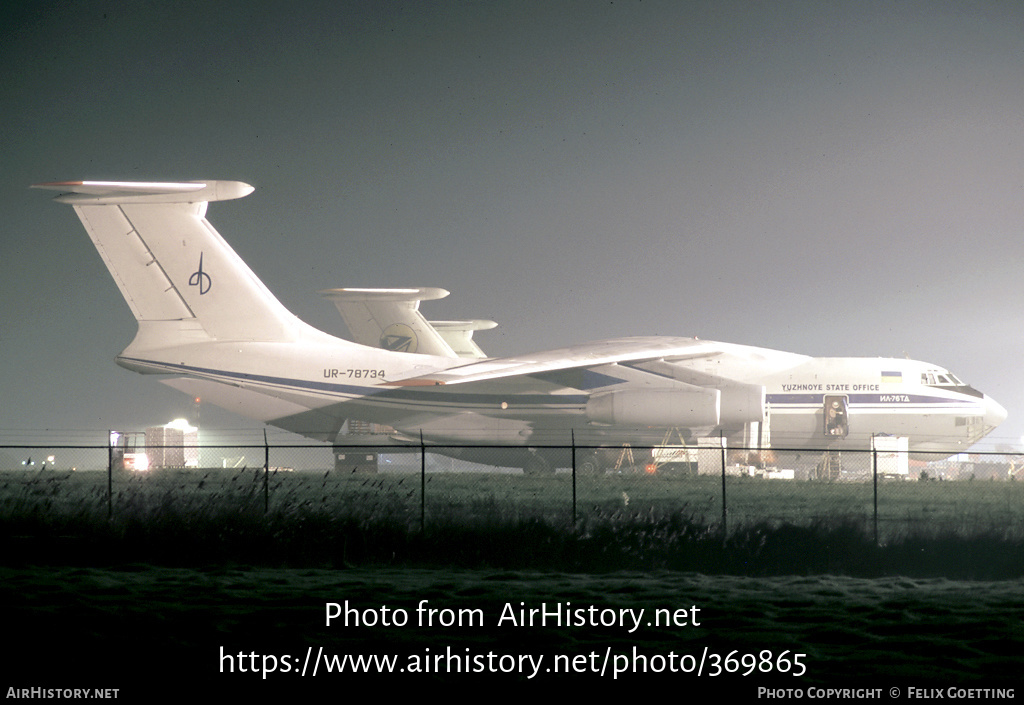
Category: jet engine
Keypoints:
(682, 408)
(696, 407)
(741, 404)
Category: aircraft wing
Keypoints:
(577, 357)
(624, 382)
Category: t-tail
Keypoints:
(185, 285)
(170, 263)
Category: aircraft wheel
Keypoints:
(536, 465)
(818, 473)
(590, 465)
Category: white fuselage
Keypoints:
(213, 329)
(314, 391)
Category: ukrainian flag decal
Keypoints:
(893, 377)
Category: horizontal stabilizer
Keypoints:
(109, 192)
(412, 294)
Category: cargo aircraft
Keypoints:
(209, 327)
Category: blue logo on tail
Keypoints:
(200, 278)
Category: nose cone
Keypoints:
(995, 414)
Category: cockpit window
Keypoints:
(942, 379)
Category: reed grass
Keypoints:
(198, 518)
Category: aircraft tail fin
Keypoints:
(459, 334)
(170, 264)
(390, 319)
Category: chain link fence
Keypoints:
(886, 495)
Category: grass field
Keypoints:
(628, 521)
(962, 507)
(146, 589)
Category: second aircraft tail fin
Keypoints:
(390, 319)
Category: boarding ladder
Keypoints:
(831, 466)
(626, 454)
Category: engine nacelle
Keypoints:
(742, 404)
(666, 408)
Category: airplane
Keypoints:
(398, 309)
(390, 319)
(210, 328)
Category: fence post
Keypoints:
(874, 481)
(423, 484)
(110, 476)
(266, 473)
(725, 525)
(573, 439)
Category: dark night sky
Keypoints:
(823, 178)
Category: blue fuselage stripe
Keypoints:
(888, 400)
(385, 395)
(445, 397)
